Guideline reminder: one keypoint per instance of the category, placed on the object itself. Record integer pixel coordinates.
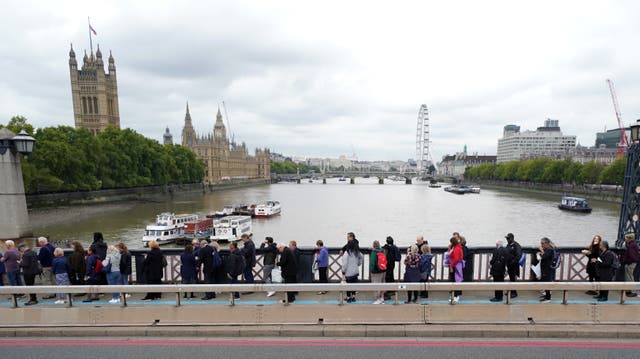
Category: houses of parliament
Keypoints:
(95, 107)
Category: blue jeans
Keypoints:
(248, 275)
(234, 280)
(114, 278)
(124, 279)
(14, 278)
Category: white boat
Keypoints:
(226, 211)
(168, 228)
(268, 209)
(475, 189)
(230, 228)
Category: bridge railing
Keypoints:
(339, 288)
(572, 266)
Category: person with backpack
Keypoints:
(498, 266)
(30, 269)
(629, 260)
(514, 255)
(377, 269)
(606, 264)
(547, 255)
(393, 255)
(100, 249)
(93, 266)
(234, 265)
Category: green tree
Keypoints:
(18, 123)
(572, 173)
(590, 173)
(554, 171)
(614, 172)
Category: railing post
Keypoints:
(123, 299)
(14, 300)
(178, 299)
(232, 301)
(508, 296)
(395, 297)
(340, 298)
(69, 300)
(623, 296)
(564, 297)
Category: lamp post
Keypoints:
(630, 208)
(14, 219)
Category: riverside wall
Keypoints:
(604, 193)
(146, 193)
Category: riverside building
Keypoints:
(223, 159)
(546, 141)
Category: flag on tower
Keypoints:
(93, 30)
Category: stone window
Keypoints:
(95, 104)
(84, 105)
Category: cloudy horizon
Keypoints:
(324, 79)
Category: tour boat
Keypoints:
(245, 210)
(268, 209)
(458, 189)
(199, 229)
(168, 228)
(575, 204)
(474, 189)
(226, 211)
(230, 228)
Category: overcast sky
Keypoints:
(319, 79)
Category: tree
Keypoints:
(17, 124)
(590, 173)
(554, 171)
(613, 173)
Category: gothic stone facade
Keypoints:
(94, 92)
(224, 160)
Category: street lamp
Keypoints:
(630, 207)
(21, 143)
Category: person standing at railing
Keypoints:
(514, 254)
(456, 265)
(45, 256)
(377, 269)
(10, 259)
(350, 237)
(467, 257)
(91, 277)
(393, 255)
(196, 253)
(412, 272)
(125, 264)
(606, 267)
(61, 271)
(234, 266)
(289, 269)
(2, 271)
(76, 263)
(113, 276)
(153, 265)
(100, 249)
(269, 254)
(547, 273)
(249, 253)
(30, 269)
(593, 252)
(322, 261)
(498, 266)
(426, 265)
(188, 267)
(351, 262)
(630, 259)
(206, 258)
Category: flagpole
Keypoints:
(90, 40)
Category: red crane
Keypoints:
(624, 142)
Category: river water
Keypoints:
(312, 211)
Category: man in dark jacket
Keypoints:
(393, 254)
(249, 253)
(498, 265)
(269, 253)
(92, 277)
(30, 269)
(234, 265)
(45, 256)
(100, 250)
(547, 253)
(514, 253)
(606, 268)
(629, 260)
(289, 269)
(206, 258)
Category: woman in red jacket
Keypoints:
(456, 264)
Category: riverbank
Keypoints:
(612, 194)
(144, 194)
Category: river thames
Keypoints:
(312, 211)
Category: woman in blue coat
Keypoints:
(188, 267)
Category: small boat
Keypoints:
(226, 211)
(200, 229)
(230, 228)
(245, 210)
(434, 184)
(474, 189)
(458, 189)
(575, 204)
(310, 180)
(342, 179)
(168, 228)
(268, 209)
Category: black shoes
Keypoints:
(631, 294)
(602, 299)
(591, 292)
(496, 299)
(49, 296)
(31, 302)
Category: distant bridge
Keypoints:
(408, 176)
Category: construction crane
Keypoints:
(624, 142)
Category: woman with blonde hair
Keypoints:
(112, 269)
(412, 271)
(153, 266)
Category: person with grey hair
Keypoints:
(61, 271)
(498, 267)
(377, 269)
(11, 260)
(412, 271)
(45, 257)
(547, 253)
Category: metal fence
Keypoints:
(572, 266)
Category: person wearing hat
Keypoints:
(514, 253)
